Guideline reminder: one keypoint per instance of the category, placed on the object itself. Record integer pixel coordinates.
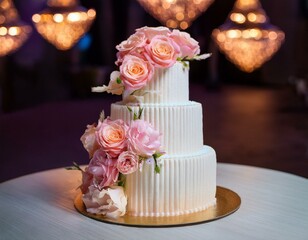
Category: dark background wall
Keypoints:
(38, 72)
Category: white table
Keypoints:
(40, 206)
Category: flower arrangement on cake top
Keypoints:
(117, 148)
(149, 48)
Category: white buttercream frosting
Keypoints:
(168, 85)
(186, 184)
(187, 181)
(180, 125)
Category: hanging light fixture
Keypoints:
(247, 38)
(63, 23)
(175, 13)
(13, 32)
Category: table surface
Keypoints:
(40, 206)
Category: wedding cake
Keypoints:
(148, 157)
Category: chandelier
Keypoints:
(175, 13)
(247, 38)
(13, 32)
(63, 23)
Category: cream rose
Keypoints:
(110, 202)
(114, 87)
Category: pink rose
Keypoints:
(151, 32)
(88, 140)
(103, 170)
(162, 51)
(136, 40)
(110, 202)
(135, 72)
(133, 45)
(127, 162)
(87, 179)
(143, 139)
(189, 47)
(111, 136)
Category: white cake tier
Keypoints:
(180, 125)
(186, 184)
(168, 85)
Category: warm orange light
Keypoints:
(247, 4)
(249, 40)
(237, 17)
(252, 17)
(3, 31)
(64, 28)
(13, 32)
(62, 3)
(175, 13)
(58, 17)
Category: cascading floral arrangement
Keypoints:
(117, 148)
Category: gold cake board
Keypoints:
(227, 202)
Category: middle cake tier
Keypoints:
(181, 125)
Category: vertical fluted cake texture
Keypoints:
(168, 86)
(187, 181)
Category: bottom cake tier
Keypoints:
(186, 184)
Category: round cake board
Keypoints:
(227, 202)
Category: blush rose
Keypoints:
(133, 45)
(127, 162)
(102, 169)
(151, 32)
(143, 139)
(189, 47)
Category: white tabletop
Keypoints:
(40, 206)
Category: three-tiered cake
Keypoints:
(148, 157)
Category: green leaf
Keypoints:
(135, 116)
(156, 168)
(158, 155)
(74, 167)
(133, 93)
(119, 81)
(122, 180)
(141, 158)
(185, 64)
(140, 112)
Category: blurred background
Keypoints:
(256, 117)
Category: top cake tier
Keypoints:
(168, 86)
